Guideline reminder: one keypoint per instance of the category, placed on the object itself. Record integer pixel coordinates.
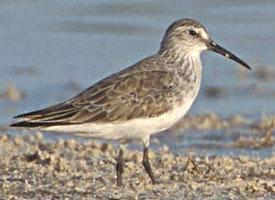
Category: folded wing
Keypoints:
(139, 94)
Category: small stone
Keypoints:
(165, 148)
(4, 138)
(39, 136)
(12, 93)
(104, 147)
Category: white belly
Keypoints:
(132, 129)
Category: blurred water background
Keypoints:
(51, 50)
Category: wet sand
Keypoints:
(32, 168)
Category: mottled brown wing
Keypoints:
(139, 94)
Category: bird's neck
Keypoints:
(186, 64)
(177, 51)
(182, 58)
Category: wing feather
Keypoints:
(120, 97)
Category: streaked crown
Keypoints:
(185, 35)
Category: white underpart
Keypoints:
(135, 129)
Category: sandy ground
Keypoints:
(32, 168)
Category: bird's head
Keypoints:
(187, 36)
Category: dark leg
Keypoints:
(119, 168)
(147, 166)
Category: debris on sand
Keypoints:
(34, 169)
(12, 93)
(265, 141)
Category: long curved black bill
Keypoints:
(213, 46)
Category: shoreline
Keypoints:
(32, 168)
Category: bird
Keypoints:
(146, 98)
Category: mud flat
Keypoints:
(32, 168)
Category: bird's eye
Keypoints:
(193, 32)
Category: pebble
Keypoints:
(12, 93)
